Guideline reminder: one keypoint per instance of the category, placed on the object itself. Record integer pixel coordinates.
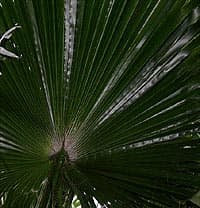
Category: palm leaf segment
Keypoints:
(6, 36)
(102, 104)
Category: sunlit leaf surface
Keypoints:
(102, 106)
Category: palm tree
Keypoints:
(99, 101)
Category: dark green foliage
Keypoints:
(103, 104)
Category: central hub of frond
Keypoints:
(65, 147)
(60, 159)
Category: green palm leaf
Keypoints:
(102, 108)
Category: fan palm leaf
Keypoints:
(103, 103)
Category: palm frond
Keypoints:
(102, 104)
